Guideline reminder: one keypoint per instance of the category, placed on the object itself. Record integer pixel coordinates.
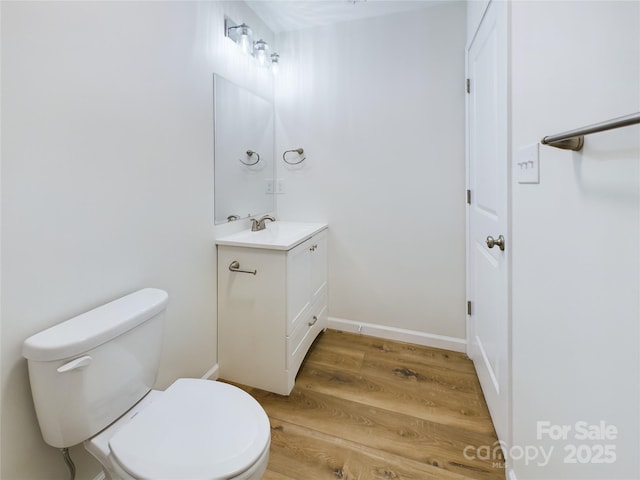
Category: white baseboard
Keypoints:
(212, 373)
(399, 334)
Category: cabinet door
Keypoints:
(318, 263)
(251, 312)
(298, 284)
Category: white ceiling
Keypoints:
(286, 15)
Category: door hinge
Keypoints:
(468, 307)
(468, 197)
(468, 85)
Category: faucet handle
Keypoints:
(257, 225)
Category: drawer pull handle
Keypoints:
(313, 322)
(235, 267)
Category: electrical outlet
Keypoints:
(527, 165)
(280, 186)
(269, 185)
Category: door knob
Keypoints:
(492, 241)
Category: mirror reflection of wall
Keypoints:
(243, 152)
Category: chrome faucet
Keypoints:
(257, 225)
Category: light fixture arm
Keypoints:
(245, 29)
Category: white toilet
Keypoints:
(91, 380)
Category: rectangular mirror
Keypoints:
(243, 152)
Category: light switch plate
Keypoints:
(268, 185)
(527, 165)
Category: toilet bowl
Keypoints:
(196, 429)
(91, 381)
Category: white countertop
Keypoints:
(276, 236)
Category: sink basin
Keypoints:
(276, 236)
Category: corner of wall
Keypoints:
(212, 373)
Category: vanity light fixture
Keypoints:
(241, 34)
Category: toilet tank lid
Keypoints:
(91, 329)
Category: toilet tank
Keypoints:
(87, 371)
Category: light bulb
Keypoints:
(275, 65)
(245, 40)
(260, 49)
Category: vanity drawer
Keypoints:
(303, 336)
(306, 279)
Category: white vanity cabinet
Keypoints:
(268, 320)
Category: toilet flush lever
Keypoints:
(75, 364)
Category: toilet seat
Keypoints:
(197, 429)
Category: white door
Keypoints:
(487, 175)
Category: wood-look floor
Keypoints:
(366, 408)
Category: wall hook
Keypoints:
(250, 153)
(299, 151)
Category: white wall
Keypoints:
(378, 106)
(475, 12)
(576, 236)
(107, 181)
